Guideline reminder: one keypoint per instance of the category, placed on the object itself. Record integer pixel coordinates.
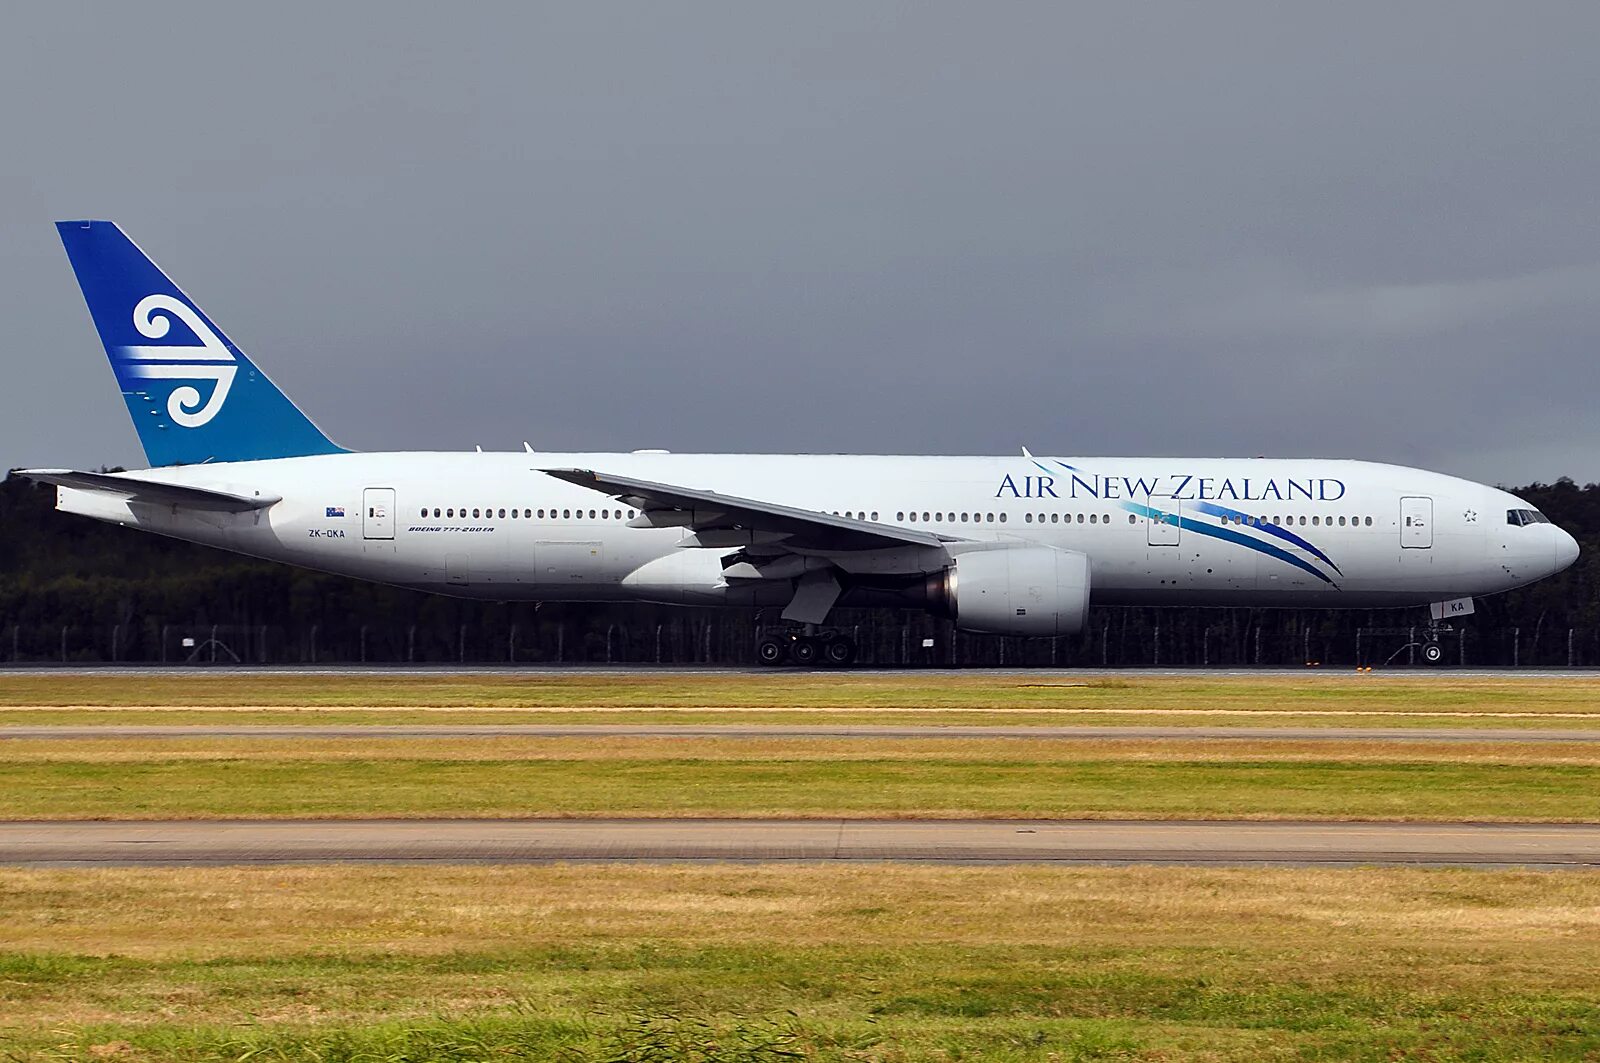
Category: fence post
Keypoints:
(213, 644)
(610, 630)
(363, 644)
(1569, 648)
(1105, 644)
(1516, 647)
(1155, 647)
(116, 633)
(658, 643)
(63, 644)
(461, 644)
(1411, 646)
(561, 642)
(164, 628)
(16, 632)
(1461, 647)
(1307, 652)
(1258, 645)
(511, 645)
(411, 644)
(708, 641)
(1360, 660)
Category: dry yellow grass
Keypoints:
(198, 914)
(135, 750)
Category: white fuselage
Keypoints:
(1157, 531)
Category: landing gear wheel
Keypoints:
(804, 651)
(770, 651)
(1432, 652)
(839, 651)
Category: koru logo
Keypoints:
(211, 361)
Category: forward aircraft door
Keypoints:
(377, 513)
(1416, 523)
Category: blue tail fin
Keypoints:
(193, 395)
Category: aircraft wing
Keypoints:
(161, 494)
(725, 520)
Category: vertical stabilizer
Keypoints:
(193, 395)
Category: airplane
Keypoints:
(1002, 545)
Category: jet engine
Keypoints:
(1018, 590)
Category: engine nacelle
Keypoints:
(1019, 590)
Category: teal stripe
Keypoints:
(1230, 536)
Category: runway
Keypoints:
(180, 732)
(1300, 844)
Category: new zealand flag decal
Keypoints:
(335, 511)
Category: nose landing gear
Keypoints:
(808, 649)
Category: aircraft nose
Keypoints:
(1566, 549)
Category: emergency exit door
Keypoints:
(1163, 525)
(1416, 523)
(377, 513)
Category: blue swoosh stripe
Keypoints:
(1228, 535)
(1043, 466)
(1064, 465)
(1270, 529)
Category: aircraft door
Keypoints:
(377, 513)
(1164, 530)
(1416, 523)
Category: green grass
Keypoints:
(258, 787)
(764, 963)
(672, 1002)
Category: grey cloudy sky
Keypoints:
(1364, 230)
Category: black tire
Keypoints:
(1432, 653)
(771, 651)
(804, 651)
(839, 652)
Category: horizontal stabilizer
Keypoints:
(137, 490)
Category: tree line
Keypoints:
(77, 589)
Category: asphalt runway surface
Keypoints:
(770, 731)
(1296, 844)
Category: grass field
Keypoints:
(758, 963)
(1311, 699)
(360, 778)
(836, 962)
(888, 963)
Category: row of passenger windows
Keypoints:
(1515, 516)
(488, 513)
(1316, 522)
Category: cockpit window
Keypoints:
(1522, 517)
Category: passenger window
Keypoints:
(1002, 518)
(874, 514)
(913, 518)
(1092, 517)
(566, 514)
(449, 512)
(924, 517)
(1369, 522)
(900, 515)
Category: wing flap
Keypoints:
(150, 491)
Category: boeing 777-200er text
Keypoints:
(1006, 545)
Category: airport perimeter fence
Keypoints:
(1113, 639)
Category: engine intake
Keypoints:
(1019, 590)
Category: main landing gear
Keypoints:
(810, 648)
